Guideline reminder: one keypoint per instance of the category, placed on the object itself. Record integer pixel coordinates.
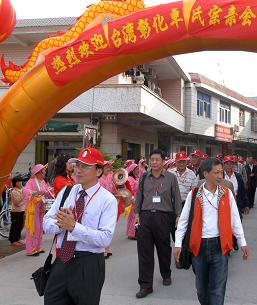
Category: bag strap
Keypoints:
(191, 214)
(142, 191)
(64, 197)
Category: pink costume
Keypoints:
(131, 232)
(107, 183)
(142, 169)
(35, 209)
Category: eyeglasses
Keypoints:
(82, 166)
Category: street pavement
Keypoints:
(121, 276)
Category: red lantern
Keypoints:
(7, 19)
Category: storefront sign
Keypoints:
(61, 126)
(223, 133)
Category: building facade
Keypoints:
(153, 105)
(128, 114)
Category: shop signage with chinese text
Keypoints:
(223, 133)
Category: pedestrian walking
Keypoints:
(215, 220)
(251, 171)
(158, 205)
(63, 171)
(85, 227)
(196, 161)
(35, 192)
(237, 180)
(17, 213)
(186, 177)
(106, 179)
(133, 178)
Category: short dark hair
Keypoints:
(60, 165)
(16, 179)
(158, 152)
(100, 167)
(208, 164)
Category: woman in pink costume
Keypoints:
(106, 181)
(142, 167)
(133, 171)
(35, 192)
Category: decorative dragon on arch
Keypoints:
(117, 8)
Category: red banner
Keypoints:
(152, 29)
(140, 32)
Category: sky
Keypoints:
(235, 70)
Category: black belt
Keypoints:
(156, 211)
(85, 253)
(210, 239)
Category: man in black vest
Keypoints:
(251, 171)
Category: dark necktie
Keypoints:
(67, 249)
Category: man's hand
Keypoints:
(246, 253)
(137, 219)
(177, 220)
(177, 254)
(65, 219)
(247, 210)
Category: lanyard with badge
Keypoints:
(157, 197)
(210, 202)
(78, 217)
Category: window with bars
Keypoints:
(225, 113)
(241, 117)
(203, 105)
(254, 121)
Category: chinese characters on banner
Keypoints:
(150, 29)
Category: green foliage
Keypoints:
(118, 164)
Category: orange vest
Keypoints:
(225, 225)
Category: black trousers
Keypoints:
(17, 219)
(154, 230)
(250, 194)
(78, 282)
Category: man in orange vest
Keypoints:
(216, 220)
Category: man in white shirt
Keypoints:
(187, 179)
(215, 220)
(84, 227)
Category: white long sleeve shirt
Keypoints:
(95, 232)
(210, 218)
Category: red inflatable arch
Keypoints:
(104, 50)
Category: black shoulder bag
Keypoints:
(186, 255)
(142, 191)
(41, 275)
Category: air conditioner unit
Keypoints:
(236, 128)
(143, 68)
(151, 74)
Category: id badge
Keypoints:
(156, 199)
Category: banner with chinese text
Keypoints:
(153, 28)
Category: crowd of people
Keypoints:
(157, 209)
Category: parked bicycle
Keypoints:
(5, 215)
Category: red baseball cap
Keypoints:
(90, 156)
(241, 159)
(219, 156)
(197, 153)
(205, 156)
(182, 156)
(229, 159)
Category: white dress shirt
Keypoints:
(210, 218)
(233, 180)
(95, 232)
